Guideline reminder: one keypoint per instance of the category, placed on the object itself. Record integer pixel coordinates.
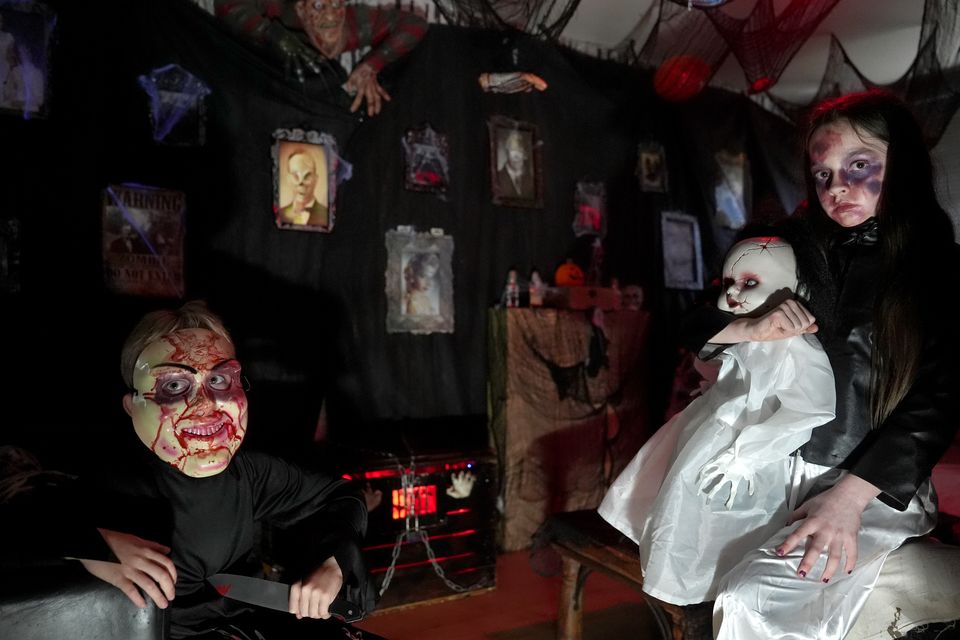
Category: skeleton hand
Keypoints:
(294, 54)
(724, 469)
(462, 484)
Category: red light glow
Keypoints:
(423, 562)
(419, 501)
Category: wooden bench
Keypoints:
(586, 542)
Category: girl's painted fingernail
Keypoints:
(779, 551)
(849, 572)
(826, 580)
(802, 573)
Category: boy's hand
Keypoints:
(311, 597)
(142, 563)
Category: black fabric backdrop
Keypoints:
(307, 309)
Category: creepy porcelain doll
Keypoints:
(709, 485)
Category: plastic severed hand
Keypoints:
(363, 85)
(311, 597)
(724, 469)
(293, 53)
(142, 563)
(462, 484)
(513, 82)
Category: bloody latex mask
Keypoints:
(189, 406)
(323, 21)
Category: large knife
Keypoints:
(273, 595)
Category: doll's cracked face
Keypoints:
(757, 270)
(848, 169)
(189, 408)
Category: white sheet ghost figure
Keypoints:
(713, 483)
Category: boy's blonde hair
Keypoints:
(156, 324)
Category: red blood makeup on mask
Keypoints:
(191, 408)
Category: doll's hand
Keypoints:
(724, 469)
(142, 563)
(311, 597)
(363, 84)
(462, 484)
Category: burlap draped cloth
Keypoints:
(568, 409)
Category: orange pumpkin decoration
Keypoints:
(568, 275)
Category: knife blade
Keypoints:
(273, 595)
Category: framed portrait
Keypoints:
(305, 165)
(25, 31)
(426, 160)
(728, 191)
(590, 209)
(682, 259)
(652, 167)
(143, 240)
(419, 282)
(515, 163)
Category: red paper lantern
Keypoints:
(761, 84)
(681, 77)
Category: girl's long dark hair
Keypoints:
(915, 235)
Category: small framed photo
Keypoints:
(515, 163)
(682, 259)
(590, 209)
(419, 282)
(426, 160)
(305, 165)
(25, 31)
(652, 167)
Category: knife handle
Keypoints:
(344, 610)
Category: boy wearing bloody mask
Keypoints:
(189, 409)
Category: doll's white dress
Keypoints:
(768, 398)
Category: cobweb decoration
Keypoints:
(763, 42)
(925, 89)
(942, 18)
(174, 93)
(544, 18)
(840, 76)
(672, 38)
(924, 86)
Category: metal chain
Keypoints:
(407, 484)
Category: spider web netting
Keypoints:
(926, 86)
(763, 42)
(545, 18)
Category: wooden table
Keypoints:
(588, 543)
